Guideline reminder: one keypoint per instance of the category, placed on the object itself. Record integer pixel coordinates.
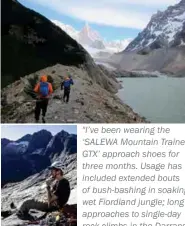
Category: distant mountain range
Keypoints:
(25, 168)
(34, 153)
(92, 41)
(159, 47)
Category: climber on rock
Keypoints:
(66, 85)
(44, 90)
(58, 195)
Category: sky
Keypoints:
(15, 132)
(113, 19)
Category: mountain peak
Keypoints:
(87, 26)
(62, 133)
(27, 137)
(87, 35)
(39, 140)
(92, 41)
(4, 142)
(164, 30)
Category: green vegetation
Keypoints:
(31, 85)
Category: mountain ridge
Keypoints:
(34, 43)
(162, 30)
(160, 47)
(20, 161)
(90, 38)
(32, 184)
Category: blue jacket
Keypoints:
(67, 83)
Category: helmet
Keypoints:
(57, 165)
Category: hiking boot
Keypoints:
(6, 214)
(43, 119)
(25, 216)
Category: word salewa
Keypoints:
(115, 141)
(101, 141)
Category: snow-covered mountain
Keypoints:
(29, 169)
(15, 148)
(22, 158)
(159, 47)
(89, 37)
(166, 29)
(92, 41)
(67, 28)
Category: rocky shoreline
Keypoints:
(132, 74)
(121, 71)
(90, 101)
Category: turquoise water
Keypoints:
(159, 100)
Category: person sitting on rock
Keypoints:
(44, 89)
(66, 84)
(57, 196)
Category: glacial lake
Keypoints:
(159, 100)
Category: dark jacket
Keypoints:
(66, 84)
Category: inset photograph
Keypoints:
(39, 175)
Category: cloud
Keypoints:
(117, 13)
(113, 17)
(146, 3)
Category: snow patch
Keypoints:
(92, 41)
(155, 73)
(26, 143)
(163, 26)
(150, 41)
(181, 17)
(182, 43)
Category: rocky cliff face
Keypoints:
(20, 159)
(35, 142)
(159, 47)
(166, 29)
(31, 42)
(4, 142)
(27, 138)
(33, 187)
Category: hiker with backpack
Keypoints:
(66, 85)
(44, 89)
